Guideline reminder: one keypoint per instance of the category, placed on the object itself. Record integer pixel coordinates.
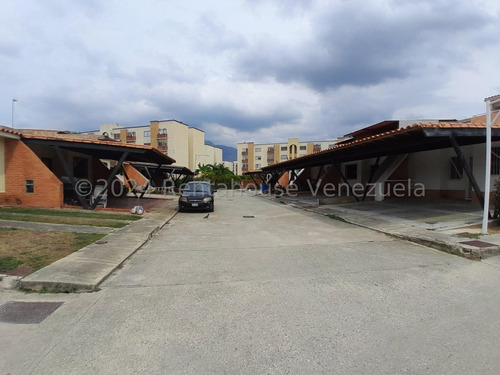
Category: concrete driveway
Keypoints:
(259, 287)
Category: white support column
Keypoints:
(487, 173)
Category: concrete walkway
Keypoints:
(87, 268)
(264, 288)
(441, 225)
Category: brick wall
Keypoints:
(135, 175)
(22, 164)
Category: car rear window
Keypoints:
(198, 188)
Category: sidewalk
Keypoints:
(444, 226)
(87, 268)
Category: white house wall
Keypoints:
(432, 168)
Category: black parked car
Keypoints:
(197, 195)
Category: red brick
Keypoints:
(22, 164)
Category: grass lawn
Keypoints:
(25, 251)
(72, 217)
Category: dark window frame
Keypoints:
(29, 186)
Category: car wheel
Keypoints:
(211, 209)
(180, 209)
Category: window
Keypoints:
(495, 160)
(147, 133)
(130, 137)
(116, 136)
(284, 148)
(162, 143)
(258, 158)
(147, 143)
(257, 149)
(351, 171)
(257, 166)
(456, 168)
(30, 186)
(244, 149)
(303, 148)
(284, 157)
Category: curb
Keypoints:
(45, 285)
(468, 252)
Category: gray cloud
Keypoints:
(251, 70)
(359, 46)
(197, 112)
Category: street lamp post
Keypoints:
(13, 101)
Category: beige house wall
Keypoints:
(178, 142)
(218, 155)
(140, 138)
(108, 128)
(155, 126)
(276, 154)
(251, 156)
(208, 156)
(197, 152)
(282, 152)
(185, 144)
(123, 135)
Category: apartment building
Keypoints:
(184, 143)
(253, 156)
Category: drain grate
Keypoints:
(248, 217)
(477, 243)
(27, 312)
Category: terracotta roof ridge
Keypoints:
(10, 130)
(86, 140)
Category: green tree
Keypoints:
(217, 174)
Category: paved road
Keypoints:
(283, 292)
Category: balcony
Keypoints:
(162, 136)
(131, 137)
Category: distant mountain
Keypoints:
(228, 153)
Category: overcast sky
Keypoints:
(246, 70)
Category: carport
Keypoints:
(65, 149)
(387, 140)
(159, 175)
